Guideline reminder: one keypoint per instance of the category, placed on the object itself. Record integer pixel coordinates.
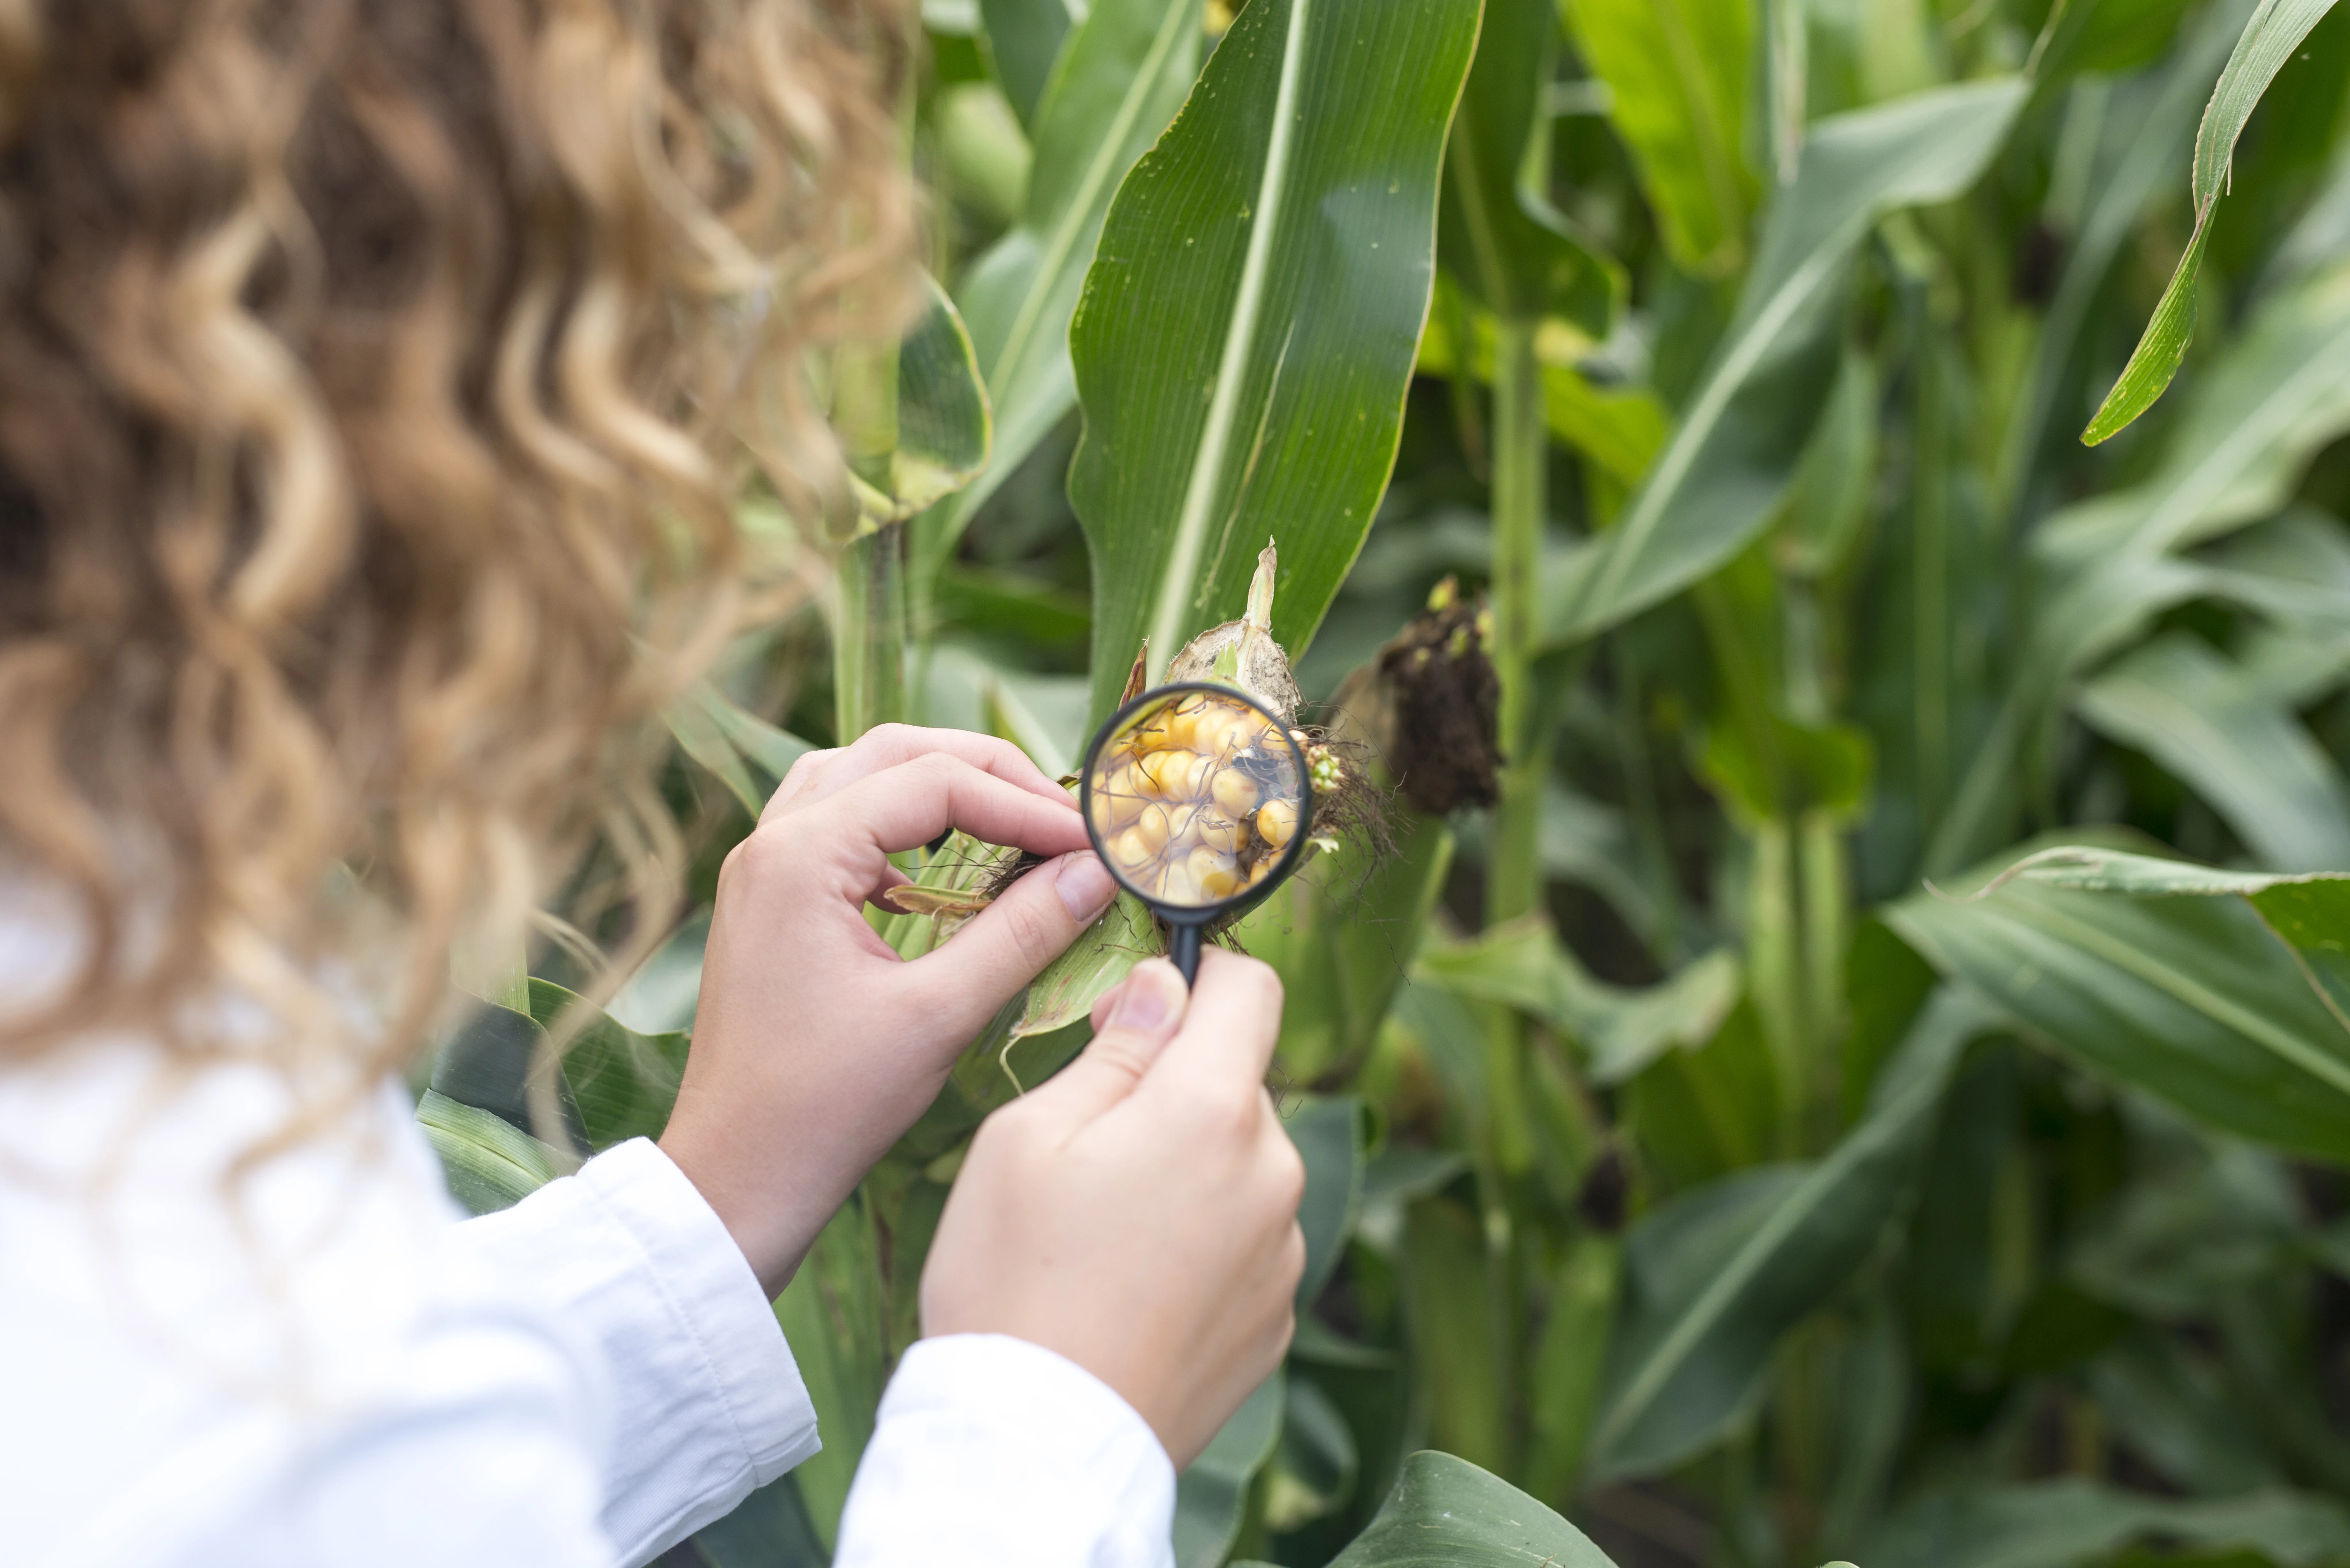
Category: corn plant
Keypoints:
(1843, 1046)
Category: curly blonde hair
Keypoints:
(374, 381)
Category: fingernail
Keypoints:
(1084, 885)
(1145, 1000)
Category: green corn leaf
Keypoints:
(1677, 70)
(1570, 1361)
(1452, 1299)
(769, 1529)
(1617, 428)
(488, 1161)
(2051, 1523)
(945, 428)
(1070, 985)
(1318, 1462)
(1719, 478)
(2222, 993)
(833, 1315)
(2145, 126)
(615, 1084)
(2268, 41)
(1829, 501)
(661, 996)
(1498, 232)
(1445, 1513)
(1330, 1135)
(740, 750)
(1523, 965)
(2174, 1415)
(1715, 1276)
(2278, 392)
(622, 1083)
(1342, 933)
(2155, 359)
(2309, 913)
(1023, 41)
(1116, 80)
(1247, 330)
(1210, 1494)
(2191, 709)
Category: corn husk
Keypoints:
(1242, 653)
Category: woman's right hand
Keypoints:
(1137, 1214)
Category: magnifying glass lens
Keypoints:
(1194, 798)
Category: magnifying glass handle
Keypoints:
(1183, 947)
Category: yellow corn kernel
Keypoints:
(1206, 731)
(1134, 850)
(1176, 886)
(1126, 794)
(1149, 733)
(1165, 824)
(1219, 832)
(1152, 825)
(1175, 775)
(1185, 722)
(1212, 874)
(1276, 820)
(1235, 791)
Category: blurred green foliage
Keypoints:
(1706, 1147)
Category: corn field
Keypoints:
(1838, 1049)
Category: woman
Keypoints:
(372, 376)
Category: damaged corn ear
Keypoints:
(1242, 652)
(1196, 798)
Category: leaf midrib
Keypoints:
(1633, 537)
(1176, 588)
(2279, 1042)
(1062, 236)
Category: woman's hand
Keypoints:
(815, 1045)
(1138, 1213)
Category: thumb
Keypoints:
(975, 972)
(1133, 1024)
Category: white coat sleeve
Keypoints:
(992, 1452)
(706, 1400)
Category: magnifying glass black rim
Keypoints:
(1199, 914)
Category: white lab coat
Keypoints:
(328, 1367)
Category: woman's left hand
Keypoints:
(816, 1046)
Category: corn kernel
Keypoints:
(1219, 832)
(1175, 775)
(1166, 825)
(1235, 791)
(1134, 851)
(1212, 874)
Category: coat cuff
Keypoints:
(990, 1448)
(707, 1398)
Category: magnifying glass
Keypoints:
(1198, 799)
